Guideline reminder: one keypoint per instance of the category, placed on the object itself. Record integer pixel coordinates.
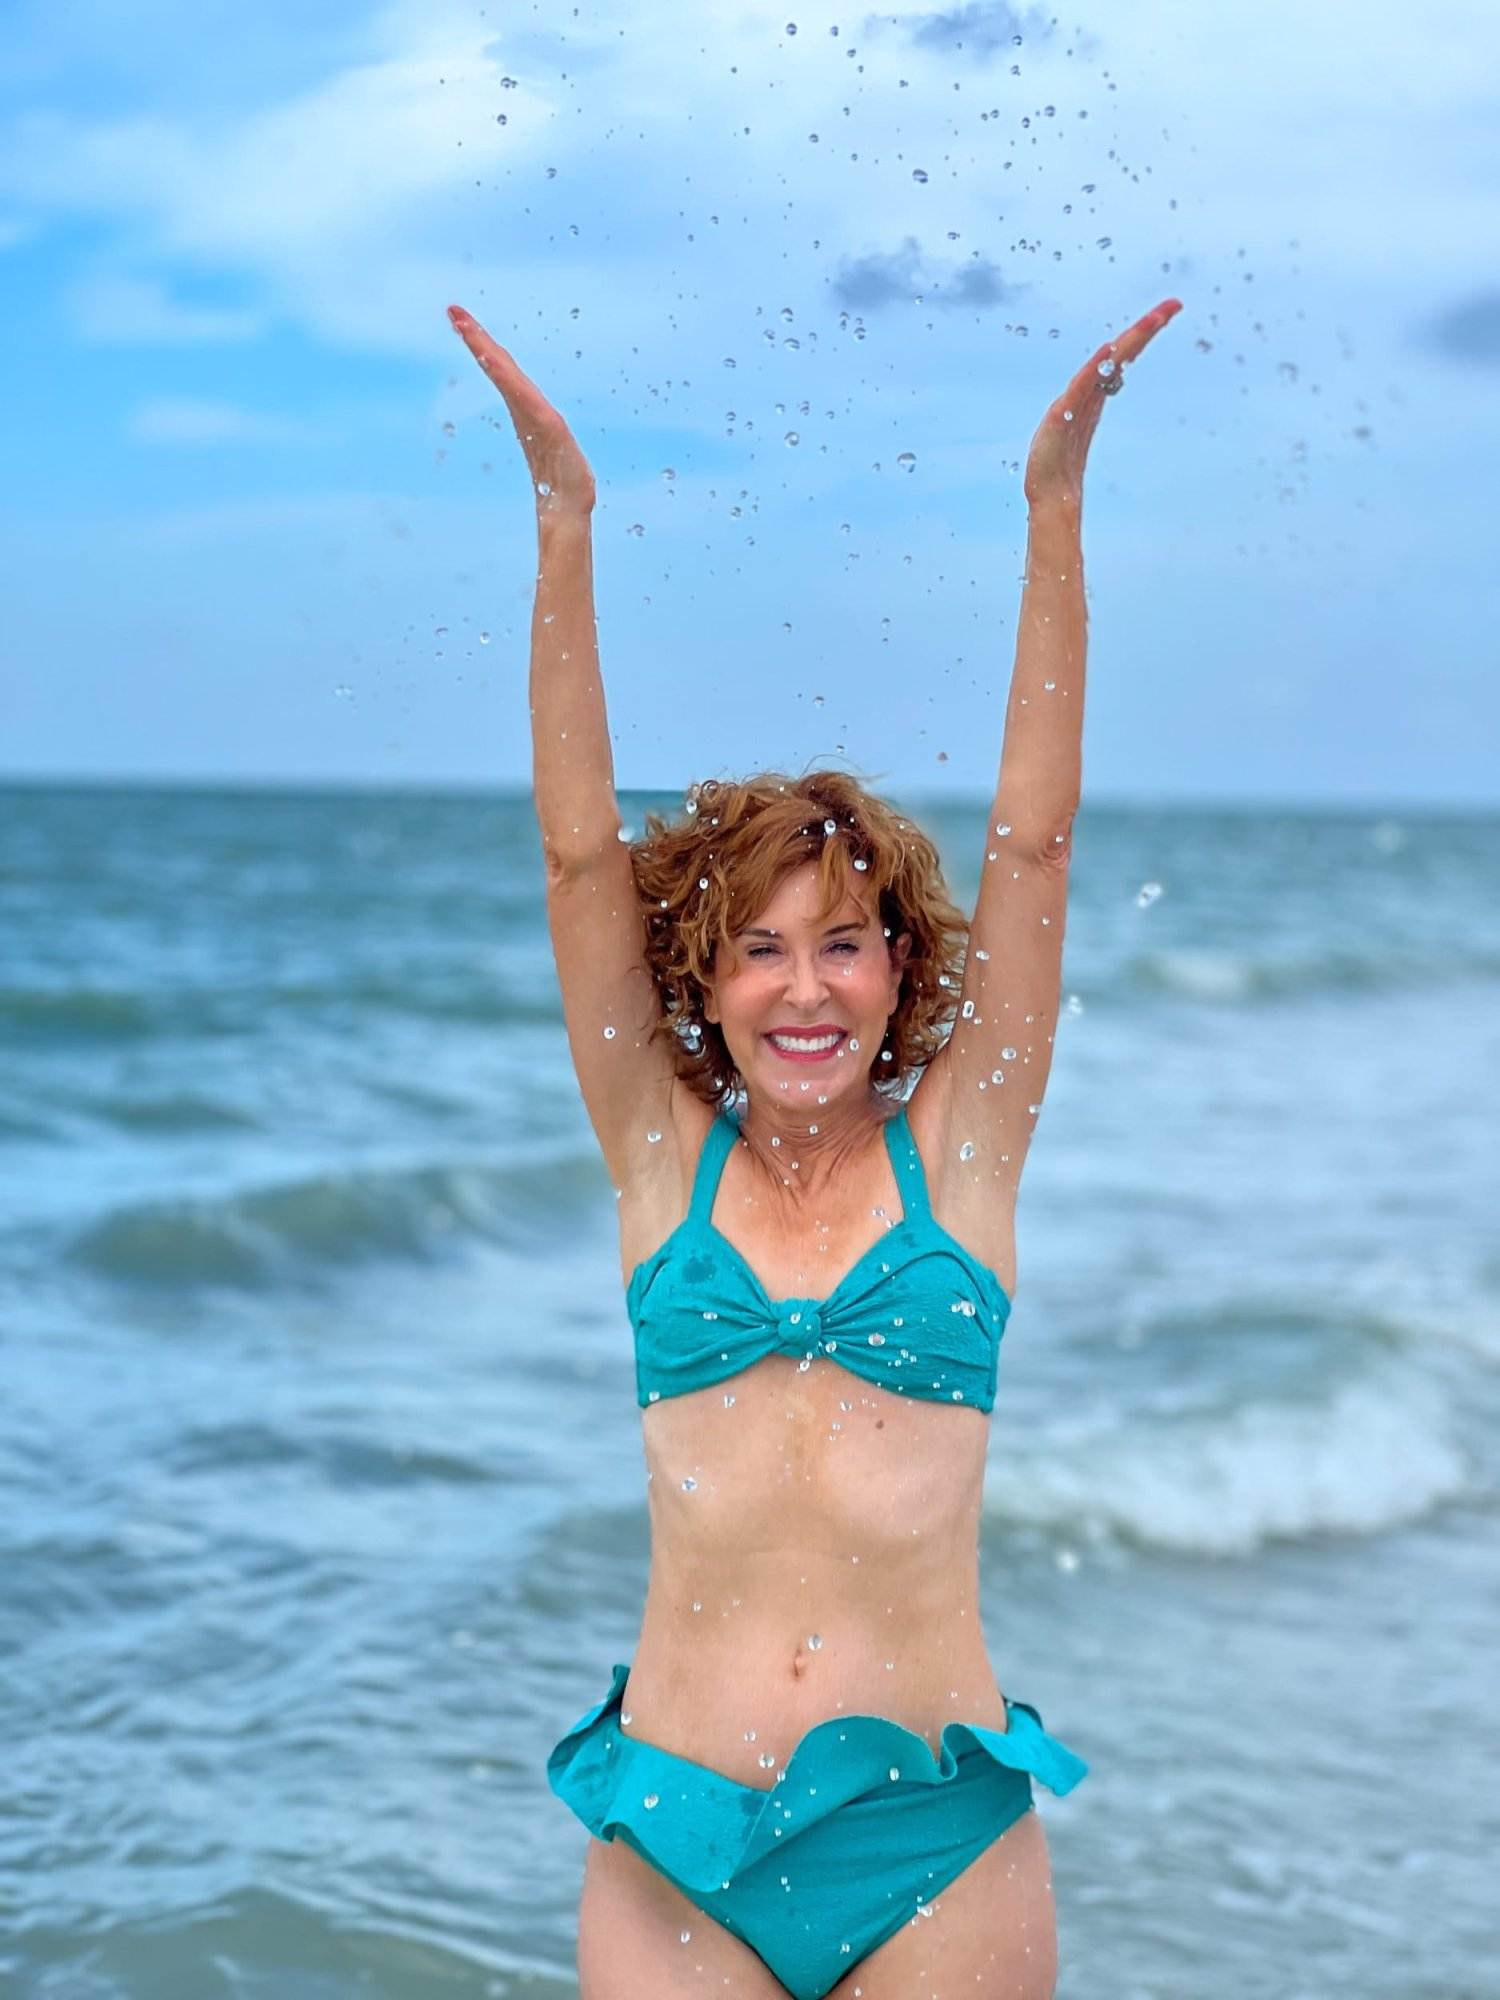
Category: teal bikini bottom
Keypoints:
(862, 1827)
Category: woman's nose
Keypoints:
(806, 981)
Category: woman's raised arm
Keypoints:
(573, 775)
(610, 1002)
(1041, 761)
(984, 1089)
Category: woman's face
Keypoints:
(784, 971)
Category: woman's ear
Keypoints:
(900, 952)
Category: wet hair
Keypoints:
(708, 874)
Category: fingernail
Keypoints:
(456, 314)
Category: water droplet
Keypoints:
(650, 1800)
(1106, 369)
(997, 1076)
(1149, 892)
(877, 1340)
(1002, 830)
(609, 1034)
(919, 174)
(685, 1936)
(653, 1138)
(729, 1399)
(766, 1760)
(966, 1150)
(814, 1641)
(895, 1774)
(792, 437)
(906, 460)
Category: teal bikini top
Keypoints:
(917, 1314)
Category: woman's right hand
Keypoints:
(560, 474)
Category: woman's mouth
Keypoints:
(808, 1048)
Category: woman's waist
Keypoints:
(736, 1687)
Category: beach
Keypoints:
(322, 1506)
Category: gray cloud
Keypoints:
(979, 29)
(1469, 331)
(864, 284)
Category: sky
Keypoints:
(803, 281)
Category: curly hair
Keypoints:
(705, 876)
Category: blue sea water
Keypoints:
(321, 1496)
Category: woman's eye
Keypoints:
(839, 944)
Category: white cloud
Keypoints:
(352, 204)
(142, 310)
(187, 420)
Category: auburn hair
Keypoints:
(706, 875)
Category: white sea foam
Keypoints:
(1202, 974)
(1377, 1454)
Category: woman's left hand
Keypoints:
(1060, 449)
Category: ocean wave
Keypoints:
(1375, 1454)
(74, 1014)
(173, 1111)
(1237, 978)
(341, 1457)
(91, 1015)
(304, 1230)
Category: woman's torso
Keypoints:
(814, 1537)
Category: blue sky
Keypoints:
(264, 520)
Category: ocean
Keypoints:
(322, 1502)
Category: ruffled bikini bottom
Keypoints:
(862, 1828)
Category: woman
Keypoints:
(807, 1781)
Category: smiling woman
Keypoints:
(819, 1265)
(736, 850)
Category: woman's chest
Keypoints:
(795, 1454)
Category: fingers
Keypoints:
(490, 355)
(527, 405)
(1131, 342)
(1123, 349)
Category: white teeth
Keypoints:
(803, 1043)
